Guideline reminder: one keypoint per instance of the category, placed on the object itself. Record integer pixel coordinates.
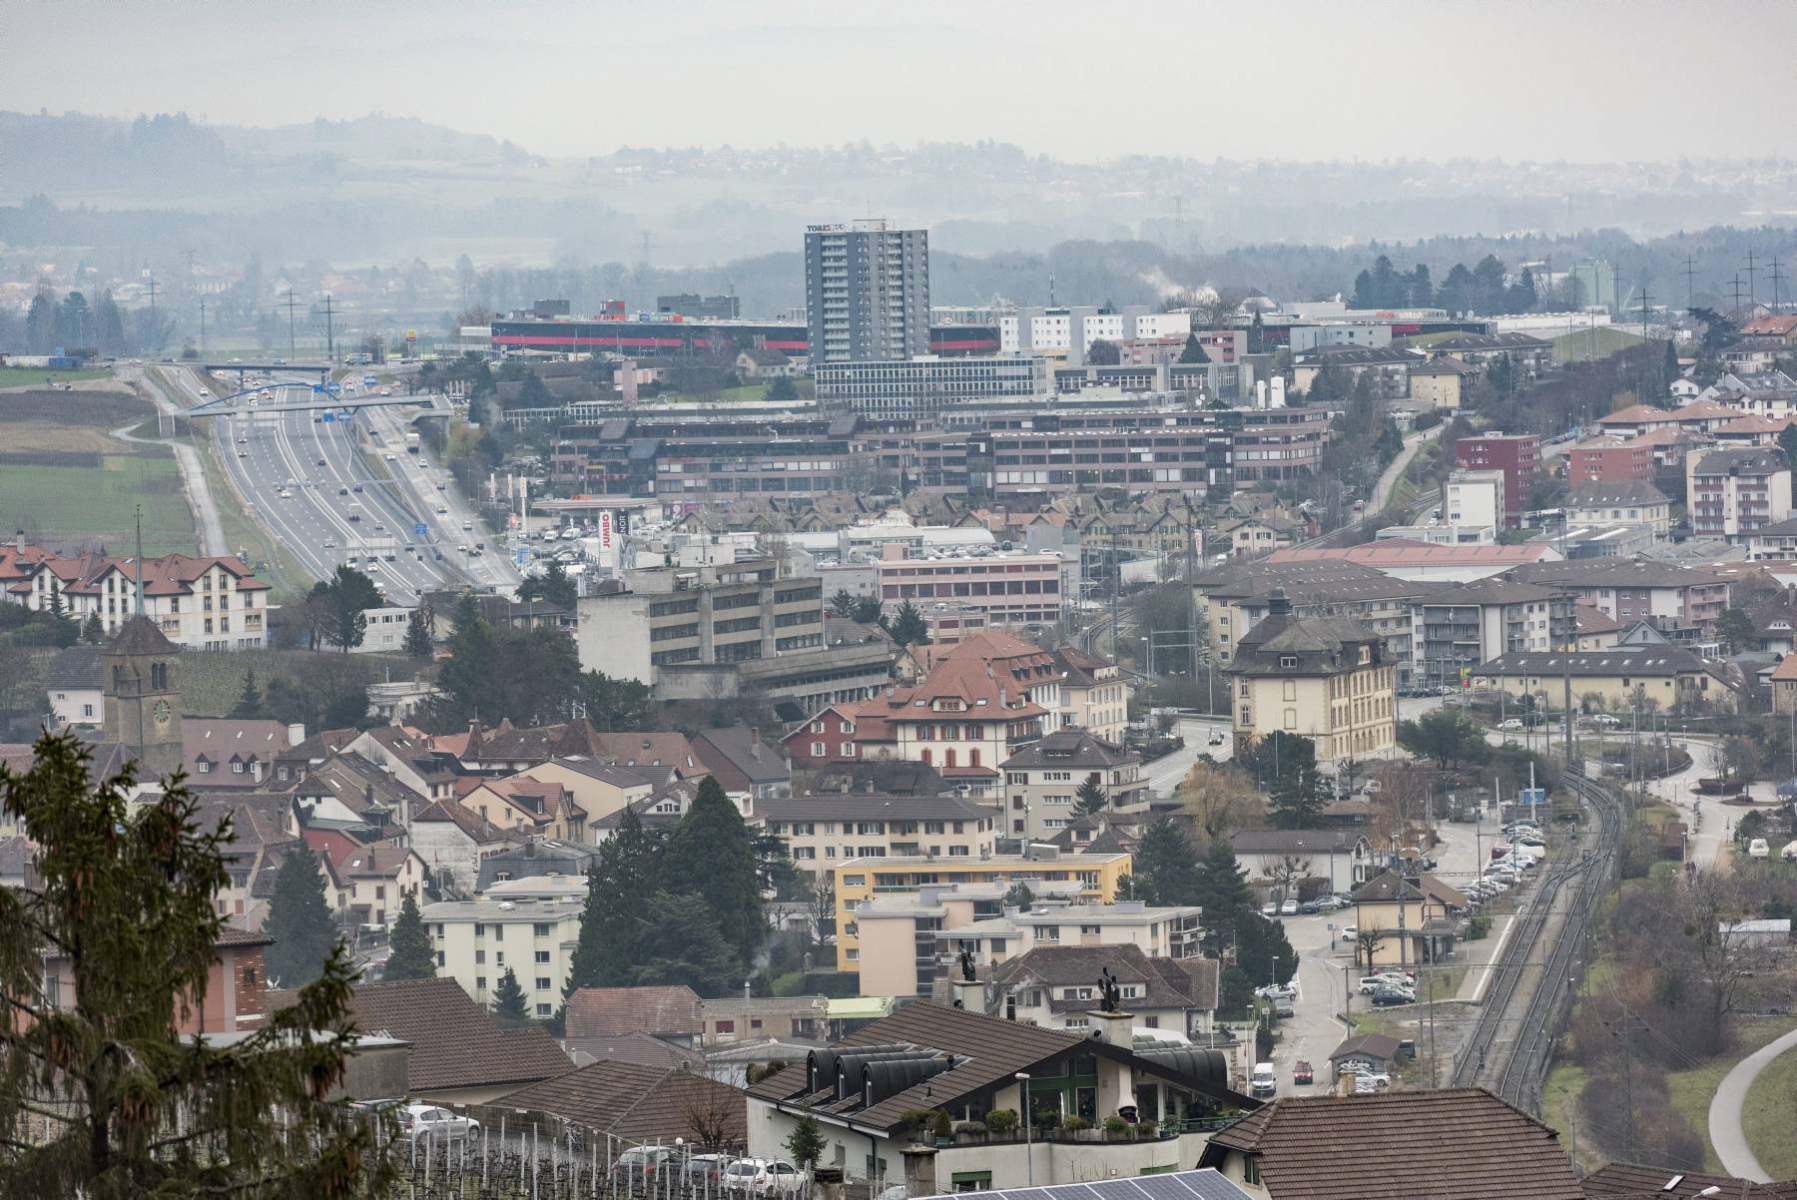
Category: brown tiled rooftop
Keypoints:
(455, 1042)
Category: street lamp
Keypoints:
(1029, 1157)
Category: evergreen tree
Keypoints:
(1297, 799)
(508, 999)
(418, 635)
(1019, 896)
(249, 701)
(907, 626)
(1166, 871)
(1272, 756)
(868, 611)
(683, 945)
(1736, 632)
(129, 901)
(1090, 798)
(615, 923)
(410, 955)
(1194, 351)
(1257, 334)
(1223, 891)
(712, 855)
(92, 631)
(782, 390)
(1421, 288)
(1262, 950)
(1671, 368)
(554, 585)
(617, 703)
(806, 1142)
(299, 921)
(842, 603)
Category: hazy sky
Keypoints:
(1519, 79)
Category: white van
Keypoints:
(1758, 848)
(1263, 1084)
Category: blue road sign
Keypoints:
(330, 417)
(420, 529)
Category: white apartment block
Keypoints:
(530, 925)
(1067, 333)
(212, 603)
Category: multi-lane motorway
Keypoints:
(342, 492)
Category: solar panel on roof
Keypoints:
(1206, 1184)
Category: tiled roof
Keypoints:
(608, 1012)
(739, 749)
(1374, 1045)
(1593, 620)
(1741, 462)
(1452, 1144)
(1293, 841)
(139, 635)
(1403, 552)
(863, 806)
(640, 1103)
(1619, 1180)
(1063, 966)
(382, 860)
(76, 669)
(1620, 491)
(1384, 888)
(467, 820)
(455, 1042)
(1074, 748)
(1654, 661)
(639, 1049)
(220, 740)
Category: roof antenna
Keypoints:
(140, 560)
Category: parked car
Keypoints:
(1512, 723)
(1330, 903)
(1388, 996)
(1349, 933)
(1371, 1082)
(1302, 1072)
(429, 1121)
(1284, 1009)
(1289, 909)
(763, 1177)
(1308, 908)
(642, 1162)
(1269, 909)
(705, 1171)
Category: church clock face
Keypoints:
(160, 712)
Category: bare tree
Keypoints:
(1366, 946)
(1219, 799)
(713, 1112)
(1285, 874)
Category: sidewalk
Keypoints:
(1481, 954)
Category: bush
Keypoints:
(1001, 1120)
(1074, 1123)
(1147, 1129)
(941, 1126)
(1115, 1127)
(971, 1128)
(1478, 927)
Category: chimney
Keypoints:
(368, 792)
(1278, 605)
(920, 1170)
(296, 734)
(1345, 1080)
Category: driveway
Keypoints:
(1725, 1111)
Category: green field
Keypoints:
(1584, 345)
(34, 376)
(64, 476)
(1769, 1114)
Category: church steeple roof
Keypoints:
(139, 635)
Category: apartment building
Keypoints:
(1233, 599)
(1067, 333)
(1055, 987)
(823, 829)
(728, 612)
(964, 718)
(921, 387)
(1674, 680)
(530, 925)
(1324, 678)
(1386, 371)
(1458, 628)
(1666, 594)
(1094, 694)
(900, 954)
(1474, 500)
(1609, 460)
(1166, 931)
(1042, 781)
(1517, 455)
(212, 603)
(1619, 502)
(1732, 493)
(867, 292)
(1008, 586)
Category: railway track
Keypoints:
(1526, 1006)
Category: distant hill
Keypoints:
(44, 152)
(377, 136)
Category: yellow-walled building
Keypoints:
(1324, 678)
(859, 879)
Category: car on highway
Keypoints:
(1303, 1072)
(243, 441)
(322, 463)
(330, 544)
(356, 488)
(355, 516)
(442, 509)
(439, 1124)
(442, 486)
(243, 454)
(343, 491)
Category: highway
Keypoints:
(313, 522)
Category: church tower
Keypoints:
(141, 698)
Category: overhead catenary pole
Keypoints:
(291, 301)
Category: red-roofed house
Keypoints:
(546, 809)
(211, 603)
(379, 876)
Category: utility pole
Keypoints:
(1615, 287)
(202, 325)
(291, 302)
(1568, 631)
(1690, 283)
(1737, 308)
(1752, 297)
(153, 325)
(1776, 279)
(1644, 299)
(330, 345)
(1624, 1026)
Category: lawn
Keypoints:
(1559, 1096)
(1582, 345)
(1768, 1115)
(1692, 1090)
(11, 377)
